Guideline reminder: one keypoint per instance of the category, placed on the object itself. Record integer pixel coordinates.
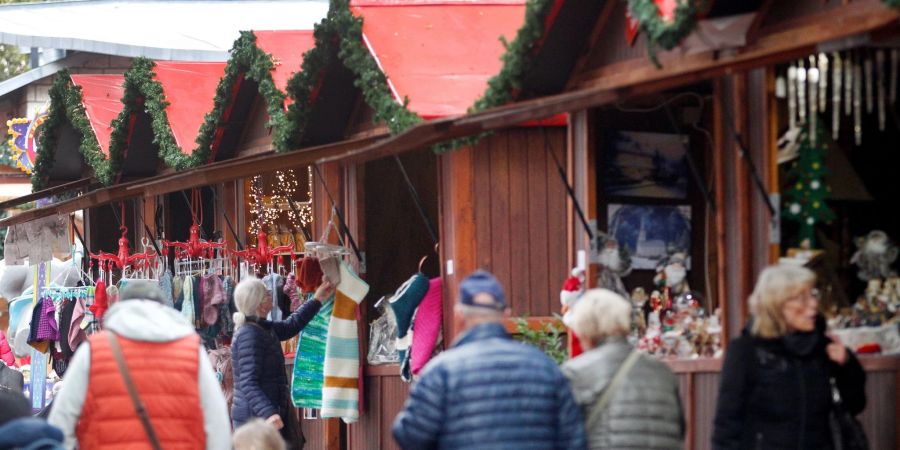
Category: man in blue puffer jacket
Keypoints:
(489, 391)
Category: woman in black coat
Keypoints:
(775, 391)
(260, 381)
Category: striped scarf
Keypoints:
(306, 384)
(340, 397)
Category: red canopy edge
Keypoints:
(190, 89)
(101, 96)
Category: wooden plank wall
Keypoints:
(385, 394)
(519, 208)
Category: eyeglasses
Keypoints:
(812, 295)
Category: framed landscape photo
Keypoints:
(651, 232)
(652, 165)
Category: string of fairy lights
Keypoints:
(269, 204)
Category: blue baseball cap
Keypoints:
(482, 282)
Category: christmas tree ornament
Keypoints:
(780, 87)
(882, 115)
(895, 59)
(857, 102)
(813, 78)
(870, 98)
(801, 91)
(805, 200)
(836, 78)
(848, 84)
(823, 81)
(792, 96)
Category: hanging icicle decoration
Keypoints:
(848, 84)
(801, 91)
(836, 78)
(857, 102)
(895, 58)
(870, 98)
(813, 78)
(823, 81)
(792, 96)
(879, 66)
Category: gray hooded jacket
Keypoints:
(644, 413)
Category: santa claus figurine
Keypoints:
(615, 263)
(672, 274)
(571, 291)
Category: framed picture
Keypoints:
(651, 232)
(638, 164)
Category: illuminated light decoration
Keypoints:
(266, 209)
(23, 140)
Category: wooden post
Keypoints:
(457, 206)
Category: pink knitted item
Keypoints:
(427, 325)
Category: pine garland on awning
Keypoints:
(66, 104)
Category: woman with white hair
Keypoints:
(775, 390)
(260, 381)
(628, 400)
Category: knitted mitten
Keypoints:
(403, 306)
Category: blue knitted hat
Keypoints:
(405, 301)
(482, 282)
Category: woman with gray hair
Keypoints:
(775, 390)
(260, 381)
(628, 400)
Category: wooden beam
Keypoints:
(203, 176)
(599, 26)
(761, 13)
(46, 193)
(772, 46)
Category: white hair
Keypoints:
(248, 295)
(601, 313)
(257, 435)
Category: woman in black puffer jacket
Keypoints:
(775, 391)
(260, 381)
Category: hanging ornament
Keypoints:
(780, 87)
(895, 59)
(814, 185)
(848, 84)
(857, 102)
(801, 91)
(792, 96)
(823, 81)
(813, 77)
(870, 99)
(795, 208)
(810, 221)
(836, 78)
(879, 64)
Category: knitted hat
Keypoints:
(405, 301)
(310, 274)
(141, 290)
(482, 282)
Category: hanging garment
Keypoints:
(165, 284)
(293, 292)
(308, 374)
(213, 296)
(227, 308)
(178, 292)
(275, 285)
(65, 326)
(197, 291)
(36, 317)
(427, 326)
(112, 294)
(403, 306)
(310, 274)
(48, 330)
(340, 394)
(331, 267)
(187, 303)
(76, 332)
(101, 302)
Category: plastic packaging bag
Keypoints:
(382, 337)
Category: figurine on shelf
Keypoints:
(874, 255)
(638, 300)
(572, 289)
(615, 263)
(672, 274)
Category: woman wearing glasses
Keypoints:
(775, 391)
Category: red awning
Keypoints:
(287, 49)
(190, 88)
(101, 96)
(439, 53)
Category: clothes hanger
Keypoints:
(422, 261)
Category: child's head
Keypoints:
(257, 435)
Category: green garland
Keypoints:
(142, 91)
(659, 32)
(340, 35)
(518, 60)
(66, 104)
(255, 64)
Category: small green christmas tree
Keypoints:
(806, 195)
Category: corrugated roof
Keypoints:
(163, 30)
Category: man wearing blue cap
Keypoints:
(489, 391)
